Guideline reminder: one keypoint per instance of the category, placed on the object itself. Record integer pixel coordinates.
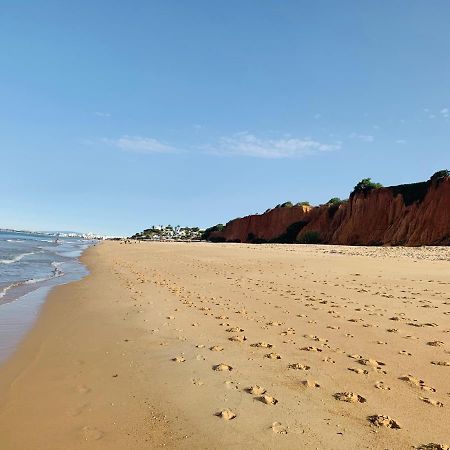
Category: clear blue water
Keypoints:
(30, 265)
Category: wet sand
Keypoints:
(237, 346)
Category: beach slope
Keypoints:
(182, 345)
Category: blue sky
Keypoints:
(118, 115)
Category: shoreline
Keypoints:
(41, 358)
(126, 357)
(26, 284)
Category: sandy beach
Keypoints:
(229, 346)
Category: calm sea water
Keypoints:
(30, 265)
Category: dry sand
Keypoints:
(237, 346)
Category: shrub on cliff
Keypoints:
(206, 234)
(334, 201)
(333, 205)
(302, 204)
(365, 185)
(283, 205)
(440, 174)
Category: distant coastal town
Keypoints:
(61, 234)
(169, 233)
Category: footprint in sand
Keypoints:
(261, 345)
(329, 360)
(78, 410)
(235, 330)
(373, 363)
(310, 384)
(349, 397)
(413, 381)
(315, 338)
(231, 384)
(222, 368)
(435, 343)
(255, 390)
(226, 414)
(311, 348)
(272, 356)
(381, 385)
(289, 331)
(441, 363)
(268, 400)
(197, 382)
(384, 421)
(431, 401)
(298, 366)
(238, 339)
(178, 359)
(433, 446)
(278, 428)
(83, 389)
(358, 371)
(216, 348)
(274, 324)
(91, 433)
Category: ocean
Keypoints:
(30, 265)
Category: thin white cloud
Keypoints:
(247, 144)
(400, 141)
(362, 137)
(317, 116)
(102, 114)
(444, 112)
(138, 144)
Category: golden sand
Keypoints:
(237, 346)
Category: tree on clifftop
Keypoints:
(334, 201)
(366, 185)
(440, 174)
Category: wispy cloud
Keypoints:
(140, 144)
(102, 114)
(362, 137)
(247, 144)
(400, 141)
(444, 112)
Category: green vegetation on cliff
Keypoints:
(440, 174)
(207, 233)
(364, 186)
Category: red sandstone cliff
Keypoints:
(265, 226)
(417, 214)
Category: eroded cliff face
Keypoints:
(264, 227)
(417, 214)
